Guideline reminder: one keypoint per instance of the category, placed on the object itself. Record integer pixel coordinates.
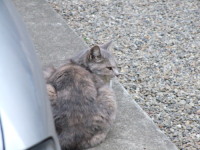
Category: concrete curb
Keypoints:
(55, 42)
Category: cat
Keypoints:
(83, 103)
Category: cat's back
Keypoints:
(74, 79)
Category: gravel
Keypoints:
(157, 46)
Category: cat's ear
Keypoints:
(95, 53)
(107, 45)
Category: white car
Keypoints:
(26, 120)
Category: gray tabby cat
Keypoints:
(83, 103)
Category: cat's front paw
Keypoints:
(51, 92)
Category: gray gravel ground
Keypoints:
(157, 45)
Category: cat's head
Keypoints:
(99, 60)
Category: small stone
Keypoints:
(187, 106)
(172, 130)
(134, 87)
(187, 122)
(191, 104)
(182, 102)
(198, 136)
(179, 126)
(198, 112)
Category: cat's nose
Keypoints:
(116, 72)
(117, 75)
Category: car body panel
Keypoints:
(25, 111)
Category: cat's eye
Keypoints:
(109, 68)
(98, 56)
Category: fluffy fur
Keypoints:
(83, 103)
